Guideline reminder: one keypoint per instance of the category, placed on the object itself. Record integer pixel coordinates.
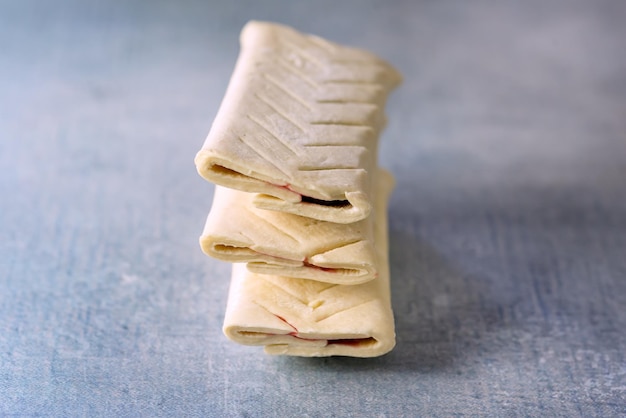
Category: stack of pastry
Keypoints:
(300, 203)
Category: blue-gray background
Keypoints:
(507, 227)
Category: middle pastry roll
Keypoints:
(290, 245)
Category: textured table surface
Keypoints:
(507, 226)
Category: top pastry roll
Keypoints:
(299, 124)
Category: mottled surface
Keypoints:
(508, 225)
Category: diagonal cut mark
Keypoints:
(287, 144)
(328, 288)
(287, 66)
(288, 92)
(282, 289)
(325, 317)
(265, 158)
(279, 111)
(277, 316)
(275, 228)
(335, 246)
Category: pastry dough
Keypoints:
(311, 318)
(290, 245)
(299, 124)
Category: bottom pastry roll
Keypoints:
(309, 318)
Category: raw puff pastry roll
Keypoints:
(290, 245)
(311, 318)
(299, 124)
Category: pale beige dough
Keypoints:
(299, 124)
(290, 245)
(311, 318)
